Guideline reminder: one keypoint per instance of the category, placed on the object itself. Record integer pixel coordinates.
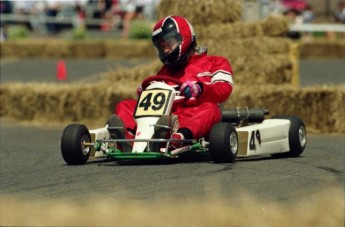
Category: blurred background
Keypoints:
(81, 19)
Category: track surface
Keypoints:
(31, 164)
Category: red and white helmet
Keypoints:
(174, 38)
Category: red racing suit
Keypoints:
(198, 114)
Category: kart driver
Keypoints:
(207, 81)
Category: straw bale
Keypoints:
(263, 60)
(129, 49)
(21, 49)
(322, 49)
(275, 26)
(270, 27)
(218, 32)
(37, 101)
(248, 47)
(266, 69)
(321, 107)
(57, 49)
(92, 49)
(202, 12)
(135, 75)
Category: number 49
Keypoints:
(254, 135)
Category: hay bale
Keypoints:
(263, 60)
(275, 26)
(218, 32)
(129, 49)
(270, 69)
(202, 12)
(57, 49)
(133, 76)
(248, 47)
(37, 101)
(21, 49)
(87, 49)
(270, 27)
(320, 107)
(323, 49)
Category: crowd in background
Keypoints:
(302, 12)
(108, 15)
(53, 16)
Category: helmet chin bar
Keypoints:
(182, 60)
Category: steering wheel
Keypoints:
(148, 80)
(162, 78)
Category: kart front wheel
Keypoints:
(223, 144)
(297, 136)
(73, 150)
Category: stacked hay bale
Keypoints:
(323, 49)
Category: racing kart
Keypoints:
(241, 133)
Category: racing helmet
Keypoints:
(174, 38)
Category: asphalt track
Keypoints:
(31, 165)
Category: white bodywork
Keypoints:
(269, 137)
(99, 134)
(145, 119)
(145, 124)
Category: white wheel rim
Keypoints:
(85, 149)
(302, 136)
(233, 142)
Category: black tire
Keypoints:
(72, 150)
(223, 142)
(297, 136)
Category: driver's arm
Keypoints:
(220, 87)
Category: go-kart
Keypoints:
(241, 132)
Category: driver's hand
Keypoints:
(190, 89)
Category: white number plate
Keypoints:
(152, 103)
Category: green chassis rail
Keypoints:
(114, 153)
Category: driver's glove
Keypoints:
(190, 89)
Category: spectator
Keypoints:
(5, 7)
(2, 33)
(80, 16)
(293, 16)
(24, 8)
(308, 18)
(339, 14)
(53, 7)
(132, 10)
(339, 17)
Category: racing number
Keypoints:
(255, 135)
(158, 101)
(152, 102)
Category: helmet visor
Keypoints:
(167, 43)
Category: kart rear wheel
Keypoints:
(223, 144)
(297, 136)
(72, 149)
